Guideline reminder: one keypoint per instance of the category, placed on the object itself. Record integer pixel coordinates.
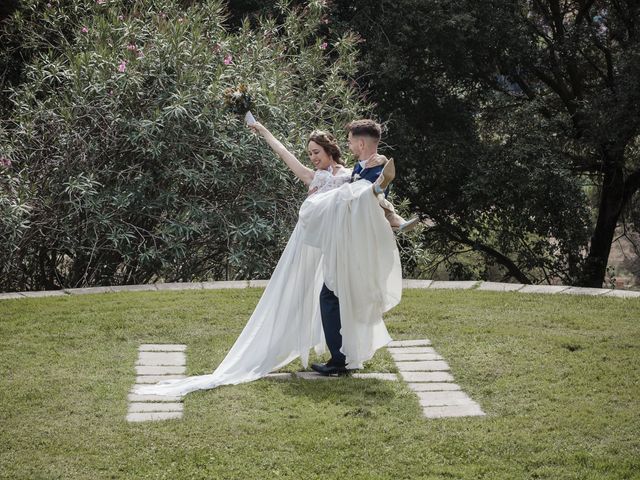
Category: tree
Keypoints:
(574, 68)
(508, 117)
(122, 163)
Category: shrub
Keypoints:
(125, 166)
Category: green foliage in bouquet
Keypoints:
(123, 164)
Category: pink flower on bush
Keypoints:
(48, 5)
(131, 47)
(84, 30)
(5, 162)
(120, 17)
(122, 67)
(324, 45)
(228, 59)
(101, 2)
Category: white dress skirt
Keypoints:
(342, 239)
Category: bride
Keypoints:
(341, 239)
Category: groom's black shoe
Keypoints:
(330, 368)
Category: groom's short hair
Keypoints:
(366, 127)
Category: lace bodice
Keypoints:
(325, 180)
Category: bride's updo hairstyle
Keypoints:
(328, 143)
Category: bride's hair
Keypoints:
(329, 144)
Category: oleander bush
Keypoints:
(121, 164)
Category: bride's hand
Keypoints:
(375, 160)
(257, 127)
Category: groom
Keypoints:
(364, 137)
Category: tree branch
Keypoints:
(459, 236)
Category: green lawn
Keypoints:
(557, 375)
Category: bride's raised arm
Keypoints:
(303, 173)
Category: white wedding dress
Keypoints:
(342, 239)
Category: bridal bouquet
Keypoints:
(239, 101)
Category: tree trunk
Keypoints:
(611, 204)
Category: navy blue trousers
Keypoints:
(330, 313)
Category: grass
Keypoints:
(557, 375)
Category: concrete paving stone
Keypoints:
(280, 376)
(410, 343)
(137, 407)
(622, 293)
(459, 285)
(433, 387)
(416, 283)
(314, 376)
(44, 293)
(425, 366)
(179, 286)
(161, 358)
(152, 416)
(223, 285)
(10, 296)
(405, 350)
(500, 287)
(157, 378)
(160, 347)
(392, 377)
(469, 410)
(584, 291)
(136, 386)
(136, 397)
(426, 377)
(412, 357)
(134, 288)
(542, 289)
(88, 290)
(258, 283)
(160, 370)
(437, 399)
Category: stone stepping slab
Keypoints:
(392, 377)
(427, 375)
(409, 343)
(469, 410)
(316, 376)
(157, 362)
(137, 407)
(440, 399)
(161, 358)
(149, 347)
(434, 386)
(405, 350)
(411, 357)
(136, 397)
(147, 379)
(410, 377)
(152, 416)
(426, 366)
(160, 369)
